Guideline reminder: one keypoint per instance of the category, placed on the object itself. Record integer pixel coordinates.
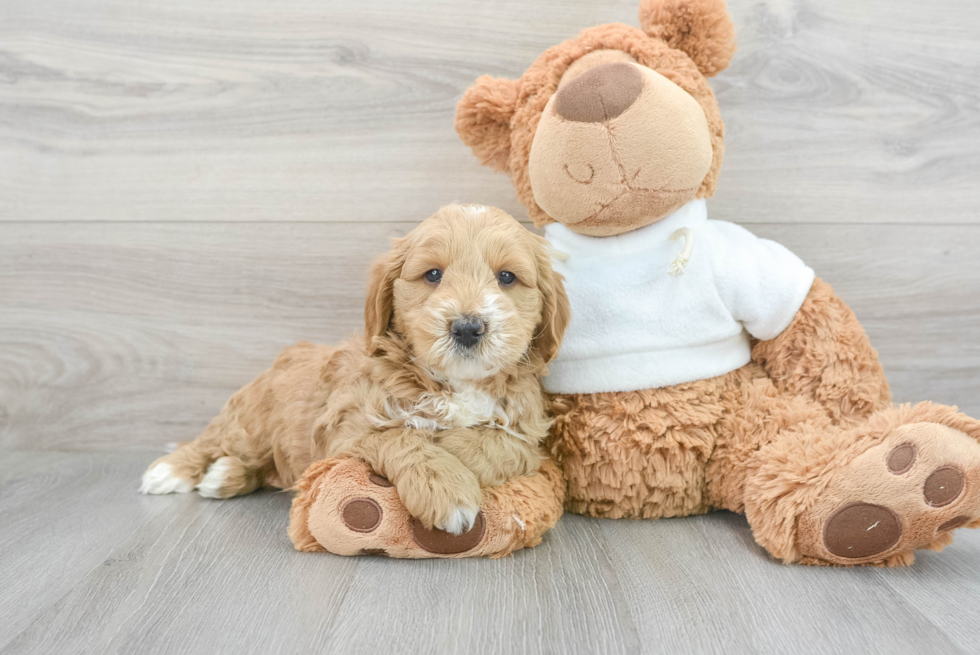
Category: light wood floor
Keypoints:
(186, 187)
(88, 565)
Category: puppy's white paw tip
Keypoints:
(161, 480)
(461, 520)
(213, 481)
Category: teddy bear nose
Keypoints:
(600, 94)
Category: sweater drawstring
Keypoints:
(680, 262)
(558, 255)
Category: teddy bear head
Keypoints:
(614, 129)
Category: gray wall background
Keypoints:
(187, 187)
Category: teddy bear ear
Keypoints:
(701, 28)
(483, 119)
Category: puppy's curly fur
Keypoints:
(436, 417)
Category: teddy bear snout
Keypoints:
(600, 94)
(618, 146)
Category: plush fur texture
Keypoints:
(701, 28)
(595, 175)
(512, 125)
(485, 116)
(804, 439)
(781, 444)
(438, 419)
(516, 513)
(796, 482)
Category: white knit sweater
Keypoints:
(636, 326)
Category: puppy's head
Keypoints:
(472, 292)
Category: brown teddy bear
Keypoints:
(703, 367)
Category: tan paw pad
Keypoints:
(440, 542)
(943, 486)
(919, 483)
(358, 512)
(862, 530)
(953, 523)
(361, 514)
(901, 458)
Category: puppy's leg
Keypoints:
(493, 455)
(179, 471)
(435, 487)
(215, 464)
(229, 476)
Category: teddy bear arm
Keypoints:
(307, 489)
(825, 355)
(342, 506)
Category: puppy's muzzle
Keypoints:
(468, 330)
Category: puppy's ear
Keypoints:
(556, 311)
(702, 29)
(483, 119)
(381, 294)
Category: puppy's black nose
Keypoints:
(467, 330)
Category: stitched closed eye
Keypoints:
(588, 181)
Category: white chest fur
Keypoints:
(460, 406)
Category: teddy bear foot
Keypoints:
(910, 491)
(343, 507)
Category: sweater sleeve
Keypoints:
(761, 282)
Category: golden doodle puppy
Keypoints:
(440, 394)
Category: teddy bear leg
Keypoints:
(638, 454)
(867, 495)
(825, 355)
(757, 414)
(343, 507)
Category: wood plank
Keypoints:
(92, 566)
(113, 315)
(215, 576)
(62, 514)
(187, 187)
(130, 336)
(103, 563)
(708, 569)
(837, 112)
(851, 112)
(940, 589)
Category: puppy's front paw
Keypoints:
(460, 520)
(443, 494)
(493, 455)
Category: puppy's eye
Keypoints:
(433, 276)
(506, 278)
